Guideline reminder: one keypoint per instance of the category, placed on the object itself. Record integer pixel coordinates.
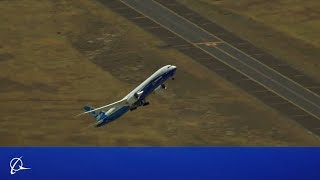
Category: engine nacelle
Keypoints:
(160, 88)
(134, 98)
(110, 111)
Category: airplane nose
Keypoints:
(174, 67)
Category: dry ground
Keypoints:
(57, 56)
(288, 29)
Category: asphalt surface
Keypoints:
(230, 55)
(196, 41)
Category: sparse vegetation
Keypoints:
(57, 56)
(287, 29)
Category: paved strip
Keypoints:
(230, 55)
(310, 122)
(241, 44)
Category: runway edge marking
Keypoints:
(239, 50)
(230, 67)
(219, 58)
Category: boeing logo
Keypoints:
(16, 165)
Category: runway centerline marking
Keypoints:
(139, 17)
(212, 43)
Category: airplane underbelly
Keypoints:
(113, 116)
(149, 89)
(116, 114)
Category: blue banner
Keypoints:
(159, 163)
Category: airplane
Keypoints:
(135, 99)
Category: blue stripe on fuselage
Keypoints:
(157, 81)
(113, 116)
(149, 88)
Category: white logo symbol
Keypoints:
(16, 165)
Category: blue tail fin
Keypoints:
(89, 108)
(99, 115)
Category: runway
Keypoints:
(256, 75)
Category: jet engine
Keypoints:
(134, 98)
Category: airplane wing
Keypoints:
(122, 102)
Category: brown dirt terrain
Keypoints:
(287, 29)
(57, 56)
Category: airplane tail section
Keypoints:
(93, 113)
(97, 111)
(98, 115)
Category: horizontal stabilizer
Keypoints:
(93, 113)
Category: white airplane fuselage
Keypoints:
(150, 84)
(137, 97)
